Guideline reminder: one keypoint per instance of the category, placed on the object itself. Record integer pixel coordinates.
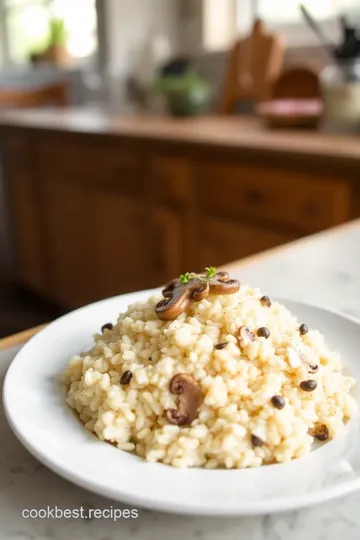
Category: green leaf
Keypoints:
(210, 271)
(185, 278)
(57, 31)
(189, 81)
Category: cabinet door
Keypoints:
(222, 241)
(168, 251)
(26, 215)
(98, 243)
(27, 229)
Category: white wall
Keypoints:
(129, 26)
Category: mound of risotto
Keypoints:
(210, 374)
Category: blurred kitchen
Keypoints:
(143, 138)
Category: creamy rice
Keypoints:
(237, 424)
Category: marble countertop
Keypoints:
(322, 269)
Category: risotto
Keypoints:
(208, 377)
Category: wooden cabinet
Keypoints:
(113, 166)
(99, 244)
(171, 179)
(221, 240)
(168, 243)
(273, 196)
(27, 230)
(26, 215)
(100, 216)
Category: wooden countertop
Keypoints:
(20, 338)
(235, 132)
(261, 263)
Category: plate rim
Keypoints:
(271, 506)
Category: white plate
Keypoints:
(35, 406)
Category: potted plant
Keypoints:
(56, 50)
(37, 51)
(187, 94)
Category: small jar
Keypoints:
(341, 93)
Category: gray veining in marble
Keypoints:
(325, 271)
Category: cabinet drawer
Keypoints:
(306, 202)
(106, 165)
(222, 241)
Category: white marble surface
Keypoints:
(324, 270)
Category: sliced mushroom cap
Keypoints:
(246, 336)
(321, 432)
(222, 284)
(167, 292)
(189, 400)
(297, 358)
(179, 296)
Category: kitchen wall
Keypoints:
(212, 65)
(131, 25)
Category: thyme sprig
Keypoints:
(210, 272)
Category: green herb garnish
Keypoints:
(210, 272)
(185, 278)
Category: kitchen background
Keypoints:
(162, 59)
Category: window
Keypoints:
(24, 27)
(219, 23)
(236, 17)
(287, 11)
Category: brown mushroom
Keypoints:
(178, 297)
(189, 400)
(246, 336)
(222, 284)
(296, 358)
(321, 432)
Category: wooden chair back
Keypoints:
(254, 63)
(55, 94)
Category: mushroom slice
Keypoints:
(179, 296)
(222, 284)
(297, 358)
(246, 336)
(167, 292)
(189, 400)
(321, 432)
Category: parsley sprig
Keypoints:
(210, 272)
(185, 278)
